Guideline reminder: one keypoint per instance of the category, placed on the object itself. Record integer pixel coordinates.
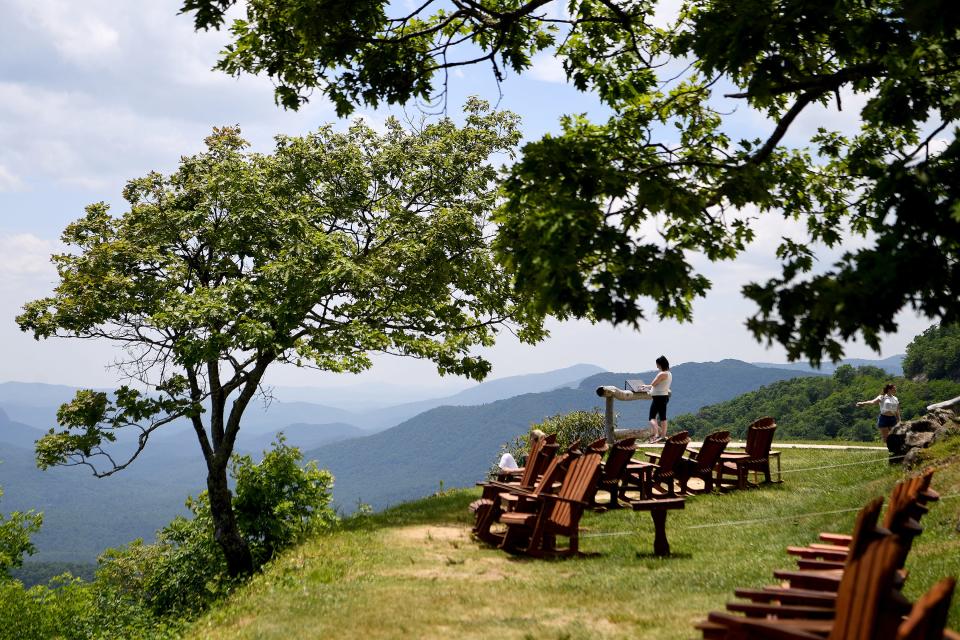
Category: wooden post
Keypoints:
(611, 437)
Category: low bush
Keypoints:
(585, 426)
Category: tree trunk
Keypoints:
(225, 531)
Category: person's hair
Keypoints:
(663, 363)
(536, 434)
(887, 388)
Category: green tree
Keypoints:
(278, 503)
(15, 532)
(332, 248)
(573, 227)
(934, 353)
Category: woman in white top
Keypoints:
(660, 390)
(889, 410)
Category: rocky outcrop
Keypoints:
(906, 439)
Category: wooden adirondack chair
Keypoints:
(541, 453)
(515, 498)
(555, 514)
(928, 618)
(756, 457)
(702, 464)
(667, 463)
(863, 610)
(924, 495)
(926, 621)
(487, 508)
(767, 600)
(902, 518)
(613, 471)
(525, 475)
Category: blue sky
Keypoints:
(97, 92)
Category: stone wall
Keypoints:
(906, 439)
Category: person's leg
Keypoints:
(654, 426)
(663, 428)
(884, 432)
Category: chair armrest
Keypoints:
(786, 595)
(553, 496)
(733, 456)
(759, 610)
(762, 630)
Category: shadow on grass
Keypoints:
(649, 555)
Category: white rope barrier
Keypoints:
(845, 464)
(731, 523)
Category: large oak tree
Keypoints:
(332, 248)
(579, 203)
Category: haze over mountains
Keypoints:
(379, 455)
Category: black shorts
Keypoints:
(885, 422)
(658, 408)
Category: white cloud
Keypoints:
(25, 255)
(547, 67)
(78, 34)
(8, 180)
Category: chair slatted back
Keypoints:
(673, 450)
(903, 504)
(863, 611)
(760, 438)
(547, 453)
(621, 453)
(581, 478)
(865, 528)
(926, 493)
(713, 447)
(599, 445)
(554, 473)
(535, 464)
(928, 618)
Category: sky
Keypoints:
(95, 93)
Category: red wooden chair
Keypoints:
(863, 610)
(614, 470)
(756, 456)
(702, 464)
(534, 532)
(667, 463)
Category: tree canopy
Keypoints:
(601, 219)
(15, 532)
(336, 246)
(935, 353)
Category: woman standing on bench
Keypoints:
(660, 391)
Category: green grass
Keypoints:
(413, 571)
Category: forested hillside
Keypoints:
(819, 407)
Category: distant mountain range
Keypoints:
(892, 365)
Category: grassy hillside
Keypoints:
(413, 571)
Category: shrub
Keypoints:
(585, 426)
(277, 504)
